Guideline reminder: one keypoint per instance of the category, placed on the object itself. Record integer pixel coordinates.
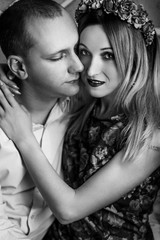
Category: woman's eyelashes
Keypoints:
(107, 55)
(83, 52)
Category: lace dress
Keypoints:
(125, 219)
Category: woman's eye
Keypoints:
(83, 52)
(108, 56)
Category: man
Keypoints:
(38, 39)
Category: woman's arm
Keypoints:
(104, 187)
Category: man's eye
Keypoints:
(58, 57)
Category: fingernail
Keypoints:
(1, 83)
(17, 92)
(15, 86)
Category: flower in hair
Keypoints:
(127, 10)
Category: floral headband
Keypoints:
(127, 10)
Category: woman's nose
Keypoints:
(94, 67)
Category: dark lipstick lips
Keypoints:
(94, 83)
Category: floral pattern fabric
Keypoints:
(125, 219)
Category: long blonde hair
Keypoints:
(138, 95)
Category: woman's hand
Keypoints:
(7, 77)
(15, 120)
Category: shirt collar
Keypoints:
(59, 110)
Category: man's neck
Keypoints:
(38, 107)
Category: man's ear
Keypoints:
(17, 66)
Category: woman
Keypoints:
(112, 146)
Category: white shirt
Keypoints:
(23, 212)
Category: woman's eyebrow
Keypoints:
(82, 45)
(106, 48)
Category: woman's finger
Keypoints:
(6, 97)
(7, 76)
(14, 91)
(24, 109)
(3, 102)
(1, 112)
(11, 84)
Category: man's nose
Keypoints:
(76, 65)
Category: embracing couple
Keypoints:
(79, 137)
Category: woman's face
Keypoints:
(100, 75)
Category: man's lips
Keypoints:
(94, 83)
(76, 80)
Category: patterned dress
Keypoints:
(125, 219)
